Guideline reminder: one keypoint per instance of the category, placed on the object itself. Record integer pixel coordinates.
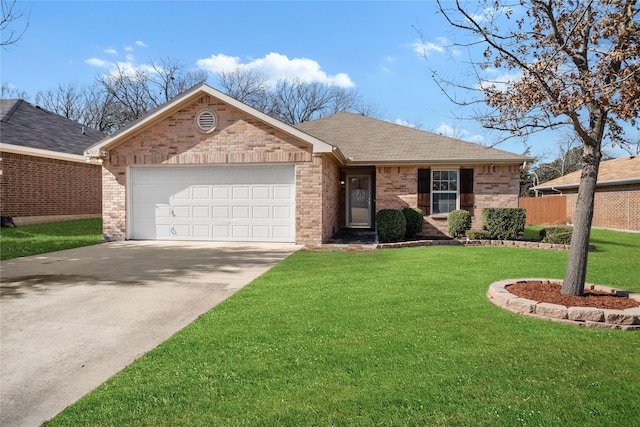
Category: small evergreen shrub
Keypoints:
(557, 235)
(459, 222)
(504, 223)
(478, 235)
(414, 219)
(391, 225)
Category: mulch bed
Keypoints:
(550, 293)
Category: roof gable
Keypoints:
(27, 125)
(188, 97)
(624, 170)
(371, 141)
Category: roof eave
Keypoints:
(621, 181)
(518, 161)
(38, 152)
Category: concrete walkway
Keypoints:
(72, 319)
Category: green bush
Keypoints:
(414, 219)
(557, 235)
(478, 235)
(391, 225)
(504, 223)
(459, 222)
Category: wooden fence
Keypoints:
(548, 210)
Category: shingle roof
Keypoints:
(27, 125)
(624, 170)
(366, 140)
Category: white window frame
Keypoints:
(434, 191)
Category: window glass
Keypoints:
(445, 191)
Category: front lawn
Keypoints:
(40, 238)
(397, 337)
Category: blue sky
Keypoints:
(371, 46)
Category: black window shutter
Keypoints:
(424, 181)
(424, 191)
(466, 190)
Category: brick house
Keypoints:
(204, 166)
(44, 176)
(617, 198)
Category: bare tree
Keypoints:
(67, 100)
(130, 92)
(291, 101)
(9, 92)
(10, 17)
(170, 78)
(247, 86)
(574, 63)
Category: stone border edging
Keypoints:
(590, 317)
(507, 243)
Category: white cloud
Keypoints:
(425, 48)
(130, 58)
(97, 62)
(140, 43)
(498, 80)
(402, 122)
(128, 49)
(276, 66)
(111, 51)
(453, 132)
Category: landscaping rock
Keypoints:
(555, 311)
(586, 313)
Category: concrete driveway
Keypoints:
(72, 319)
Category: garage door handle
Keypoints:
(173, 213)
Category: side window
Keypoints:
(444, 191)
(466, 190)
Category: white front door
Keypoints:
(222, 203)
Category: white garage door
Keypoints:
(223, 203)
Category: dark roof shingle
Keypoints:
(366, 140)
(27, 125)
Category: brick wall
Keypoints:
(396, 187)
(493, 186)
(33, 186)
(332, 202)
(614, 206)
(238, 138)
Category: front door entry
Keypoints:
(359, 201)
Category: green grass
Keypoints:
(40, 238)
(398, 337)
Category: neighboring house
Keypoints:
(43, 175)
(204, 166)
(617, 198)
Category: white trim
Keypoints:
(457, 171)
(38, 152)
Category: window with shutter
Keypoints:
(466, 190)
(424, 191)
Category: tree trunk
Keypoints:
(576, 272)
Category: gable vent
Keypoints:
(206, 121)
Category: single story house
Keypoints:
(617, 198)
(44, 176)
(205, 166)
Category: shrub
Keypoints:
(414, 219)
(478, 235)
(459, 222)
(391, 225)
(557, 235)
(504, 223)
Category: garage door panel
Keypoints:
(214, 203)
(201, 192)
(202, 211)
